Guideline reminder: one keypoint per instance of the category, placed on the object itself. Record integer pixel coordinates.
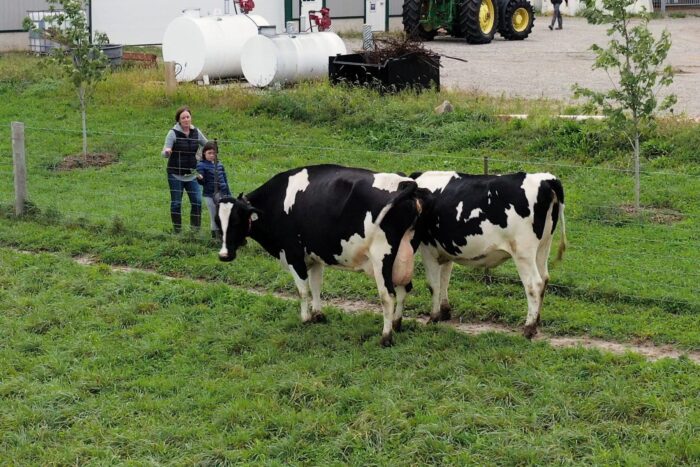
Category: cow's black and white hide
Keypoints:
(321, 215)
(481, 221)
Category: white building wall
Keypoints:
(14, 41)
(136, 22)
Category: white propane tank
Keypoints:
(209, 45)
(289, 58)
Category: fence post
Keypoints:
(19, 167)
(367, 37)
(170, 81)
(663, 7)
(487, 273)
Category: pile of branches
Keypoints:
(388, 48)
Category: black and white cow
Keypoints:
(321, 215)
(481, 221)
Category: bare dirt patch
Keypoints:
(656, 215)
(79, 161)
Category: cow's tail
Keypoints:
(562, 241)
(558, 190)
(407, 190)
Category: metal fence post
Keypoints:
(367, 37)
(19, 167)
(487, 273)
(663, 7)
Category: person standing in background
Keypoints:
(557, 14)
(181, 145)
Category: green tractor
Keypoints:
(475, 20)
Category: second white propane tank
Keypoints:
(208, 46)
(289, 58)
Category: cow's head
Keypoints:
(234, 218)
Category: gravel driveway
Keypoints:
(548, 63)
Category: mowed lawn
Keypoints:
(104, 367)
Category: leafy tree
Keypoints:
(80, 58)
(634, 61)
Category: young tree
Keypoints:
(80, 58)
(634, 61)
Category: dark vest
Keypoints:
(183, 160)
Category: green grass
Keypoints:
(98, 367)
(102, 367)
(624, 277)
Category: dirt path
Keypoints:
(649, 351)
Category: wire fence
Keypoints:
(650, 256)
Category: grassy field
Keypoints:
(102, 367)
(110, 368)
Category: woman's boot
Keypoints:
(177, 221)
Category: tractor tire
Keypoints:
(478, 20)
(516, 19)
(412, 10)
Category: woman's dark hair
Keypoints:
(210, 145)
(179, 111)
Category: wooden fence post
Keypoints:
(170, 81)
(19, 167)
(486, 165)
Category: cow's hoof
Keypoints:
(387, 340)
(445, 312)
(318, 317)
(530, 331)
(396, 325)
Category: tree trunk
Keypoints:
(637, 183)
(83, 114)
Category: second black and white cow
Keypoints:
(321, 215)
(481, 221)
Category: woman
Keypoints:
(181, 145)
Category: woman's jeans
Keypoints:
(193, 193)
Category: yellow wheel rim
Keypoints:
(486, 16)
(521, 18)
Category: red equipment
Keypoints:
(246, 5)
(323, 22)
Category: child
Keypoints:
(212, 176)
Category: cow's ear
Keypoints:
(415, 175)
(240, 196)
